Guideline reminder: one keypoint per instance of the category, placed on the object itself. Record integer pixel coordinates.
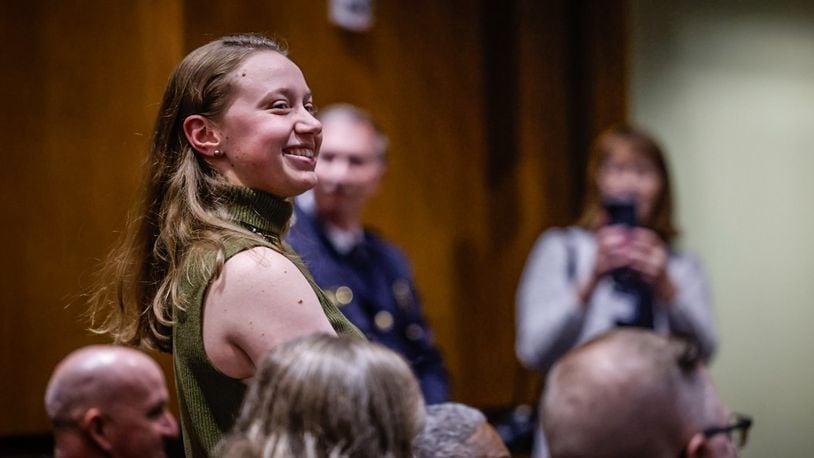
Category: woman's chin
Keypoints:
(305, 183)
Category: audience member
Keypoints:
(109, 401)
(368, 277)
(633, 393)
(618, 266)
(458, 431)
(323, 396)
(202, 271)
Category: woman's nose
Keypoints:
(630, 182)
(308, 123)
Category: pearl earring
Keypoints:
(217, 153)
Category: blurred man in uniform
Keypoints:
(369, 278)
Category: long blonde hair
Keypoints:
(323, 396)
(182, 211)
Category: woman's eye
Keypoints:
(279, 106)
(311, 108)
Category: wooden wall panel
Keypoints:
(79, 98)
(572, 76)
(478, 99)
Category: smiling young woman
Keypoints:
(268, 137)
(201, 271)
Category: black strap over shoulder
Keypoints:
(571, 255)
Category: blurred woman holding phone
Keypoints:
(617, 266)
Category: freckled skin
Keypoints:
(270, 111)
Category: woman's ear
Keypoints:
(203, 135)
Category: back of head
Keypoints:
(91, 376)
(98, 398)
(629, 393)
(455, 430)
(326, 396)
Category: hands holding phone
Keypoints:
(637, 248)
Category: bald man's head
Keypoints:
(109, 401)
(629, 393)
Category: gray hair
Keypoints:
(357, 115)
(447, 429)
(326, 396)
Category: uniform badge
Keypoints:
(414, 331)
(343, 296)
(383, 320)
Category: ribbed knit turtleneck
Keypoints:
(210, 400)
(262, 212)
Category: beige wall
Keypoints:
(729, 88)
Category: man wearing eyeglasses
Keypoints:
(633, 393)
(109, 401)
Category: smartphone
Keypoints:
(620, 211)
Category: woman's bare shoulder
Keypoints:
(259, 300)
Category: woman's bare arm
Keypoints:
(260, 300)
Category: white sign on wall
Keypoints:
(353, 15)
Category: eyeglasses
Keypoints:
(739, 424)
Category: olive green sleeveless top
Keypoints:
(210, 400)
